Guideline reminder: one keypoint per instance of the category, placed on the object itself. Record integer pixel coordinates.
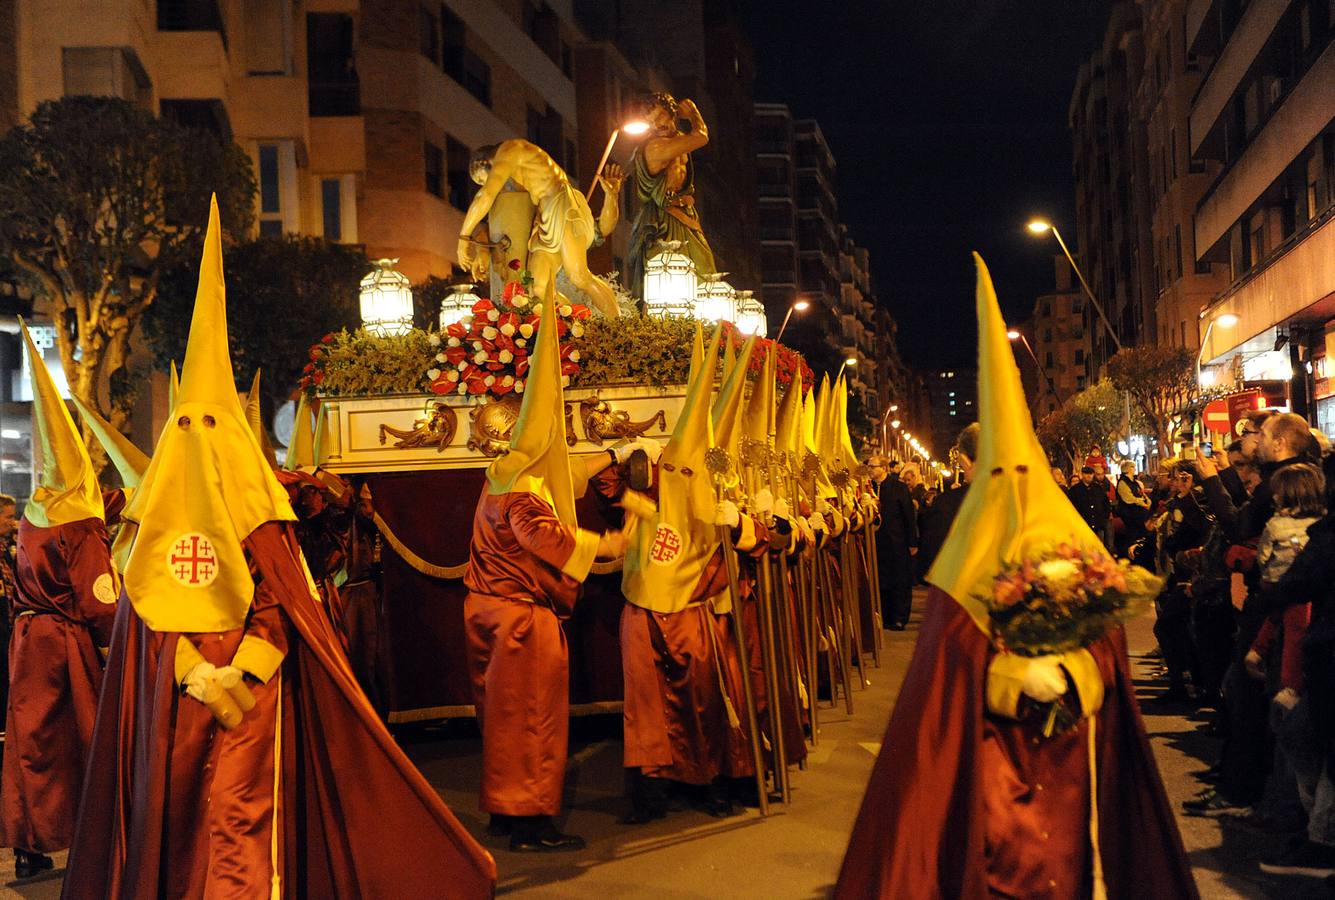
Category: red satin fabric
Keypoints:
(518, 655)
(55, 672)
(518, 548)
(173, 806)
(954, 808)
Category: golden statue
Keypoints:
(665, 185)
(539, 218)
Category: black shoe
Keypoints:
(1309, 858)
(537, 834)
(716, 801)
(500, 825)
(1211, 804)
(898, 626)
(26, 864)
(648, 801)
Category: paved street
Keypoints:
(796, 853)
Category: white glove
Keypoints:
(652, 449)
(823, 507)
(781, 510)
(1287, 699)
(868, 502)
(726, 513)
(817, 523)
(199, 680)
(763, 502)
(1044, 681)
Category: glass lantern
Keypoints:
(750, 314)
(457, 304)
(669, 281)
(387, 300)
(714, 298)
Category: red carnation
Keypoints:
(511, 290)
(482, 306)
(514, 264)
(500, 389)
(456, 330)
(521, 366)
(579, 311)
(328, 338)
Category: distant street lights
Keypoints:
(798, 305)
(1224, 320)
(1014, 335)
(633, 128)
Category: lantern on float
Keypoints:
(387, 300)
(750, 314)
(669, 281)
(457, 304)
(714, 298)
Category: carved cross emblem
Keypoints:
(192, 561)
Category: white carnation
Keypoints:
(433, 374)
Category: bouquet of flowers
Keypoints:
(487, 352)
(1063, 600)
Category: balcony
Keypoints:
(1245, 44)
(335, 98)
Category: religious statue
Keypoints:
(665, 185)
(537, 219)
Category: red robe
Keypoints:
(62, 613)
(517, 598)
(964, 804)
(176, 806)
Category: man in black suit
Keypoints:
(1091, 501)
(896, 541)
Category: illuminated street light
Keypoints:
(1223, 320)
(1042, 226)
(799, 305)
(1013, 336)
(633, 128)
(849, 362)
(894, 424)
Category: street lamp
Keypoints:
(633, 128)
(1041, 226)
(849, 361)
(1223, 320)
(1014, 335)
(799, 305)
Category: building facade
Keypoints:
(1264, 115)
(1060, 340)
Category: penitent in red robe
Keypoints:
(62, 615)
(176, 806)
(517, 597)
(964, 804)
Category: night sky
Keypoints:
(947, 120)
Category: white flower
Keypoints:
(441, 357)
(433, 374)
(489, 380)
(463, 364)
(537, 309)
(519, 387)
(489, 333)
(508, 379)
(452, 375)
(506, 356)
(508, 329)
(467, 320)
(493, 314)
(433, 340)
(526, 330)
(565, 381)
(462, 387)
(480, 357)
(1058, 571)
(574, 356)
(520, 342)
(577, 330)
(520, 300)
(477, 345)
(453, 342)
(565, 309)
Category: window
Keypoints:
(1177, 246)
(1047, 360)
(435, 169)
(1079, 356)
(460, 62)
(331, 208)
(572, 160)
(534, 129)
(428, 34)
(276, 165)
(461, 185)
(333, 86)
(268, 31)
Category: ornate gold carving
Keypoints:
(601, 422)
(436, 430)
(491, 426)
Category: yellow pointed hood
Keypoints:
(667, 553)
(729, 355)
(173, 387)
(727, 410)
(538, 461)
(825, 442)
(129, 460)
(1013, 508)
(301, 449)
(208, 486)
(697, 352)
(848, 457)
(68, 490)
(811, 446)
(758, 425)
(255, 419)
(788, 422)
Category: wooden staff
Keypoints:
(719, 463)
(769, 652)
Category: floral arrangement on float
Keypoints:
(596, 352)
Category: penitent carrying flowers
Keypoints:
(1057, 602)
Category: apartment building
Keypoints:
(1264, 115)
(952, 396)
(1060, 339)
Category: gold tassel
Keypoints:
(733, 720)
